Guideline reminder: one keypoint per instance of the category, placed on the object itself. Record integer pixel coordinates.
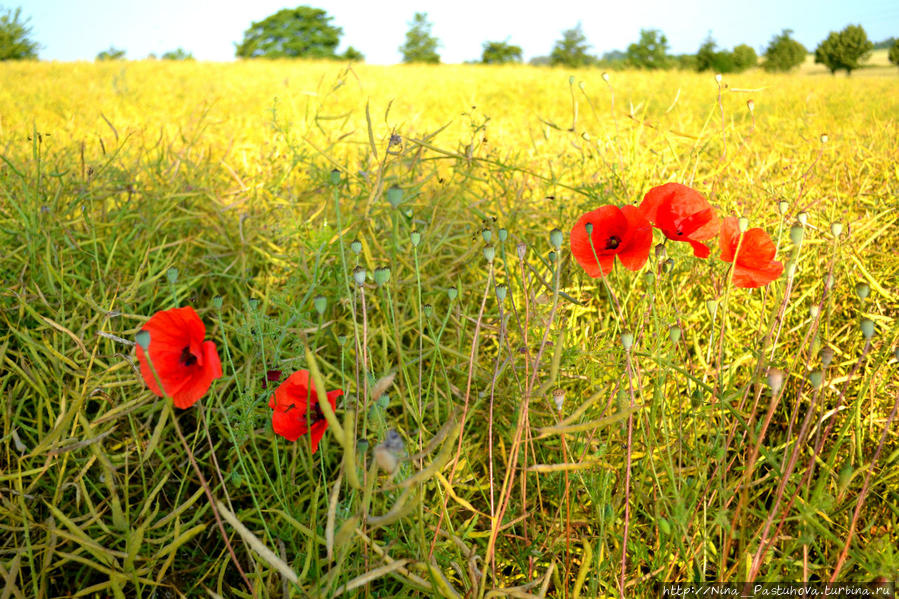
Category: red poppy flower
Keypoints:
(622, 232)
(755, 264)
(186, 364)
(682, 214)
(292, 401)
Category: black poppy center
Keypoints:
(612, 243)
(316, 414)
(187, 358)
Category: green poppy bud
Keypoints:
(428, 310)
(503, 235)
(815, 377)
(489, 254)
(796, 233)
(862, 290)
(674, 333)
(555, 238)
(143, 339)
(334, 177)
(487, 234)
(415, 238)
(452, 293)
(381, 275)
(320, 303)
(395, 196)
(589, 228)
(867, 328)
(356, 246)
(172, 275)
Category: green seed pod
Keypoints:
(802, 217)
(415, 238)
(356, 246)
(381, 275)
(359, 276)
(796, 233)
(815, 377)
(668, 265)
(143, 339)
(503, 235)
(334, 177)
(589, 228)
(552, 256)
(845, 476)
(217, 302)
(712, 307)
(395, 196)
(867, 328)
(783, 206)
(674, 333)
(452, 293)
(555, 238)
(172, 275)
(489, 254)
(661, 252)
(813, 311)
(428, 310)
(487, 234)
(836, 229)
(501, 291)
(627, 340)
(862, 290)
(521, 249)
(320, 303)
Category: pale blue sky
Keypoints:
(78, 29)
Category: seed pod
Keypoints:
(862, 290)
(415, 238)
(359, 275)
(674, 333)
(381, 275)
(356, 246)
(796, 233)
(555, 238)
(867, 326)
(775, 378)
(489, 254)
(815, 377)
(452, 293)
(395, 196)
(320, 303)
(826, 355)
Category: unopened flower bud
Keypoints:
(503, 235)
(815, 377)
(867, 328)
(775, 378)
(356, 246)
(452, 293)
(320, 303)
(359, 276)
(555, 238)
(381, 275)
(661, 252)
(395, 196)
(143, 339)
(862, 290)
(826, 355)
(796, 233)
(487, 234)
(674, 333)
(415, 238)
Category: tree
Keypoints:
(353, 55)
(744, 57)
(844, 50)
(301, 32)
(894, 53)
(500, 53)
(651, 52)
(571, 50)
(705, 56)
(783, 53)
(179, 54)
(112, 53)
(15, 42)
(420, 45)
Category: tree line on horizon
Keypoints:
(306, 32)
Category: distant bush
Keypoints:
(650, 52)
(844, 50)
(894, 53)
(15, 37)
(784, 53)
(179, 54)
(112, 53)
(500, 53)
